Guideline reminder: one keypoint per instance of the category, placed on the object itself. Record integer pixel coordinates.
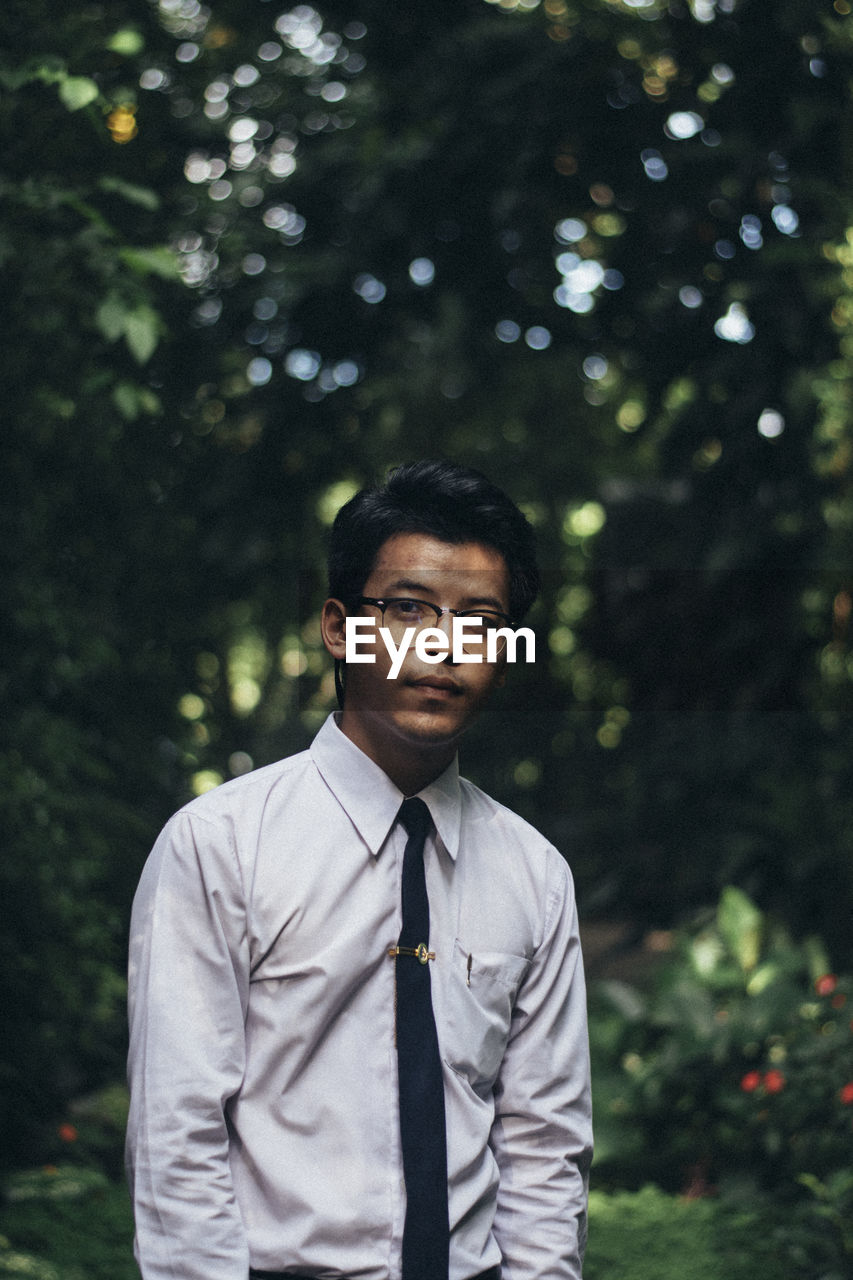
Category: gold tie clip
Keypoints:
(420, 952)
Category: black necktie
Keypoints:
(426, 1233)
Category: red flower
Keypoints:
(751, 1081)
(826, 984)
(839, 1000)
(846, 1094)
(67, 1132)
(774, 1081)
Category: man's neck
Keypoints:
(410, 767)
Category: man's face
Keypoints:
(424, 710)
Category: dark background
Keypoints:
(212, 334)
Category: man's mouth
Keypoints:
(437, 684)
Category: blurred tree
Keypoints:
(85, 556)
(586, 245)
(253, 257)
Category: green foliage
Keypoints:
(237, 285)
(649, 1235)
(834, 1206)
(74, 91)
(736, 1070)
(69, 1220)
(77, 1224)
(503, 151)
(77, 91)
(87, 687)
(92, 1137)
(16, 1262)
(66, 1223)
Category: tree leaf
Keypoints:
(630, 1003)
(127, 42)
(126, 400)
(77, 91)
(142, 332)
(158, 261)
(148, 400)
(111, 316)
(11, 78)
(130, 191)
(740, 923)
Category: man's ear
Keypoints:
(333, 628)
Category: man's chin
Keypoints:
(428, 728)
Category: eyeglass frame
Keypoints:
(438, 610)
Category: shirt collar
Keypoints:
(370, 798)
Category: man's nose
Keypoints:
(445, 624)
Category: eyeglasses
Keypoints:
(400, 612)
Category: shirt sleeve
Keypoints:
(542, 1132)
(188, 991)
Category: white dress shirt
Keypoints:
(264, 1125)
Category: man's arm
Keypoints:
(542, 1133)
(188, 988)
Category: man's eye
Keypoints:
(407, 608)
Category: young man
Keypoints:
(358, 1025)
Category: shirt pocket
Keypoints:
(479, 997)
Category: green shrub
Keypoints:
(16, 1263)
(93, 1133)
(76, 1222)
(73, 1224)
(735, 1072)
(649, 1235)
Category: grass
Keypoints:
(75, 1224)
(66, 1224)
(650, 1235)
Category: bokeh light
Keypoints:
(595, 367)
(654, 165)
(537, 337)
(302, 364)
(683, 124)
(735, 325)
(259, 371)
(771, 424)
(369, 288)
(691, 297)
(507, 331)
(422, 271)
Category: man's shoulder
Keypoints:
(249, 790)
(479, 808)
(513, 865)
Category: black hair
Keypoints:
(445, 501)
